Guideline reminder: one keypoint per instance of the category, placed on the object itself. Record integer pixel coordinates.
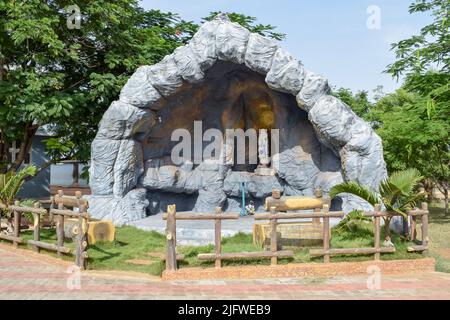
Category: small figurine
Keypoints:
(250, 208)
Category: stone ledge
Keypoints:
(302, 270)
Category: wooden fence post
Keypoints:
(425, 227)
(60, 228)
(17, 222)
(377, 231)
(326, 234)
(171, 230)
(37, 227)
(81, 241)
(218, 238)
(413, 233)
(273, 237)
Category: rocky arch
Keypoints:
(118, 159)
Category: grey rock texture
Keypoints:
(103, 156)
(188, 65)
(228, 78)
(165, 76)
(286, 73)
(314, 87)
(231, 42)
(123, 121)
(260, 53)
(133, 206)
(128, 167)
(139, 91)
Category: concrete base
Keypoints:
(265, 171)
(303, 270)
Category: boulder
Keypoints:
(286, 73)
(128, 167)
(188, 65)
(260, 53)
(231, 42)
(165, 76)
(314, 87)
(138, 90)
(101, 172)
(120, 210)
(123, 121)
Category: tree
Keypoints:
(415, 134)
(66, 78)
(397, 193)
(429, 49)
(416, 129)
(359, 102)
(11, 182)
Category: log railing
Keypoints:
(56, 214)
(171, 259)
(171, 216)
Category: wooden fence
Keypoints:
(171, 216)
(57, 214)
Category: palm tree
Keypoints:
(397, 193)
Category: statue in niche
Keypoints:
(263, 148)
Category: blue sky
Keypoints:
(330, 37)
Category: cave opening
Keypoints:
(232, 97)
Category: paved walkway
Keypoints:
(26, 275)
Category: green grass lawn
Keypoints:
(439, 234)
(135, 244)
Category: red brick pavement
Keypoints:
(28, 276)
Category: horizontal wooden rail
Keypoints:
(295, 203)
(81, 242)
(322, 252)
(202, 216)
(70, 201)
(419, 248)
(11, 238)
(418, 212)
(280, 216)
(69, 213)
(246, 255)
(27, 209)
(49, 246)
(180, 257)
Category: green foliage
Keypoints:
(429, 49)
(359, 102)
(348, 222)
(396, 194)
(355, 189)
(66, 79)
(415, 128)
(11, 182)
(30, 204)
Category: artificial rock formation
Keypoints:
(226, 77)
